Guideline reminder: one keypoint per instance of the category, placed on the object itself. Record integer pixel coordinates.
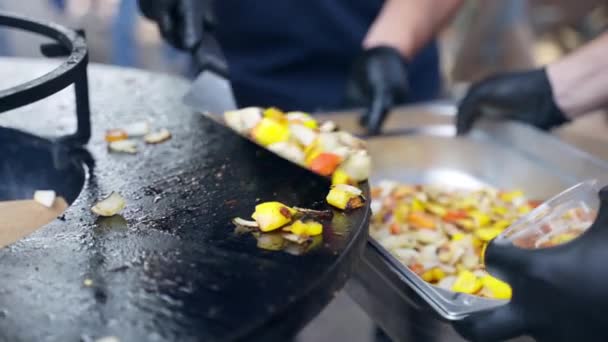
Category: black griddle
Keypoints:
(170, 267)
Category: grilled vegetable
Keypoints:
(272, 215)
(307, 228)
(269, 131)
(123, 146)
(345, 197)
(243, 120)
(496, 288)
(110, 205)
(325, 163)
(157, 137)
(467, 282)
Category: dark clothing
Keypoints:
(297, 54)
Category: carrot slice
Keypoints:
(421, 220)
(325, 163)
(453, 216)
(395, 228)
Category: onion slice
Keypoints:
(45, 197)
(110, 205)
(245, 223)
(157, 137)
(123, 146)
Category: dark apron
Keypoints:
(297, 54)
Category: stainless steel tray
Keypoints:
(504, 155)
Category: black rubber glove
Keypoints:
(523, 96)
(180, 21)
(559, 293)
(379, 77)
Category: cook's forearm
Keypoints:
(408, 25)
(580, 80)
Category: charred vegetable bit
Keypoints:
(345, 197)
(299, 226)
(272, 215)
(314, 214)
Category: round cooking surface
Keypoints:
(170, 267)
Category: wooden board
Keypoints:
(20, 218)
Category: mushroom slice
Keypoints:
(157, 137)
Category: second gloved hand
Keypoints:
(559, 293)
(522, 96)
(180, 21)
(379, 77)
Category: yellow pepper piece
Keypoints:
(436, 209)
(511, 195)
(417, 205)
(480, 218)
(524, 209)
(476, 242)
(502, 224)
(467, 282)
(428, 276)
(275, 114)
(339, 198)
(340, 177)
(502, 211)
(433, 275)
(498, 288)
(402, 210)
(438, 274)
(487, 234)
(272, 215)
(458, 236)
(268, 132)
(308, 228)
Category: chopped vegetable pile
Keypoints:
(277, 226)
(441, 235)
(298, 137)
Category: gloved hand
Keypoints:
(379, 77)
(180, 21)
(559, 293)
(523, 96)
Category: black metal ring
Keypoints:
(71, 71)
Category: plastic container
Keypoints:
(557, 220)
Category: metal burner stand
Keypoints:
(73, 70)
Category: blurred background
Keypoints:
(487, 36)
